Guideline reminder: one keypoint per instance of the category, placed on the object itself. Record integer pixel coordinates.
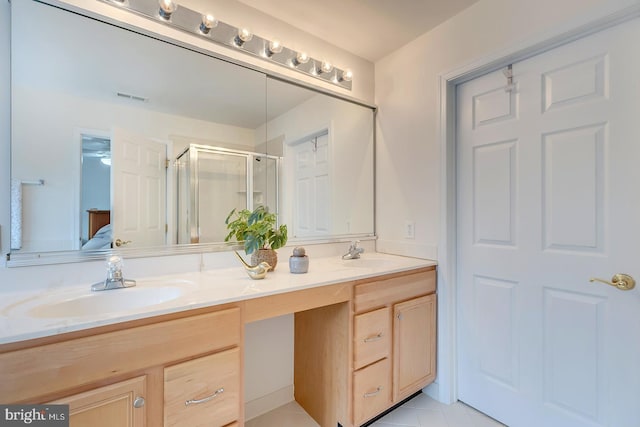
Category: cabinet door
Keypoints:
(203, 391)
(120, 404)
(414, 345)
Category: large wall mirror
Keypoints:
(121, 140)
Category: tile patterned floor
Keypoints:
(421, 411)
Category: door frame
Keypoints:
(446, 388)
(79, 133)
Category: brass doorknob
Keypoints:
(122, 242)
(624, 282)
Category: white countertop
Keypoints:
(29, 315)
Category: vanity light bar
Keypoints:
(206, 26)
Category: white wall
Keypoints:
(268, 343)
(409, 164)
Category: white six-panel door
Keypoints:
(138, 190)
(549, 197)
(312, 187)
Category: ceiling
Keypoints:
(370, 29)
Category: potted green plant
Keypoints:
(258, 232)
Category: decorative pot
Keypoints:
(299, 261)
(268, 255)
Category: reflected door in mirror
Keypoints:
(138, 190)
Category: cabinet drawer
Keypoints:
(371, 337)
(203, 391)
(375, 294)
(371, 391)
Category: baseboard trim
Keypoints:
(267, 403)
(433, 391)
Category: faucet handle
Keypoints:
(114, 267)
(114, 263)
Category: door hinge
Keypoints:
(166, 163)
(166, 228)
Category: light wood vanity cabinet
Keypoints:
(394, 341)
(140, 373)
(359, 348)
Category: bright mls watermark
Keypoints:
(34, 415)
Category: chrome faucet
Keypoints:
(354, 251)
(114, 279)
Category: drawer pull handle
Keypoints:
(373, 338)
(373, 393)
(204, 400)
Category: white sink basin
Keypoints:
(112, 301)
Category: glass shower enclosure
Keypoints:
(211, 181)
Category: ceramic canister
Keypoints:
(299, 261)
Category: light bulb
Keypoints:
(275, 47)
(167, 7)
(301, 58)
(208, 22)
(347, 75)
(244, 35)
(326, 67)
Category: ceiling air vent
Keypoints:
(132, 97)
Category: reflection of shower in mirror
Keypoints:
(211, 181)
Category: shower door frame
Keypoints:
(192, 199)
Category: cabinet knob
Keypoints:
(138, 402)
(399, 316)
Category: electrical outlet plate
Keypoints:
(409, 229)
